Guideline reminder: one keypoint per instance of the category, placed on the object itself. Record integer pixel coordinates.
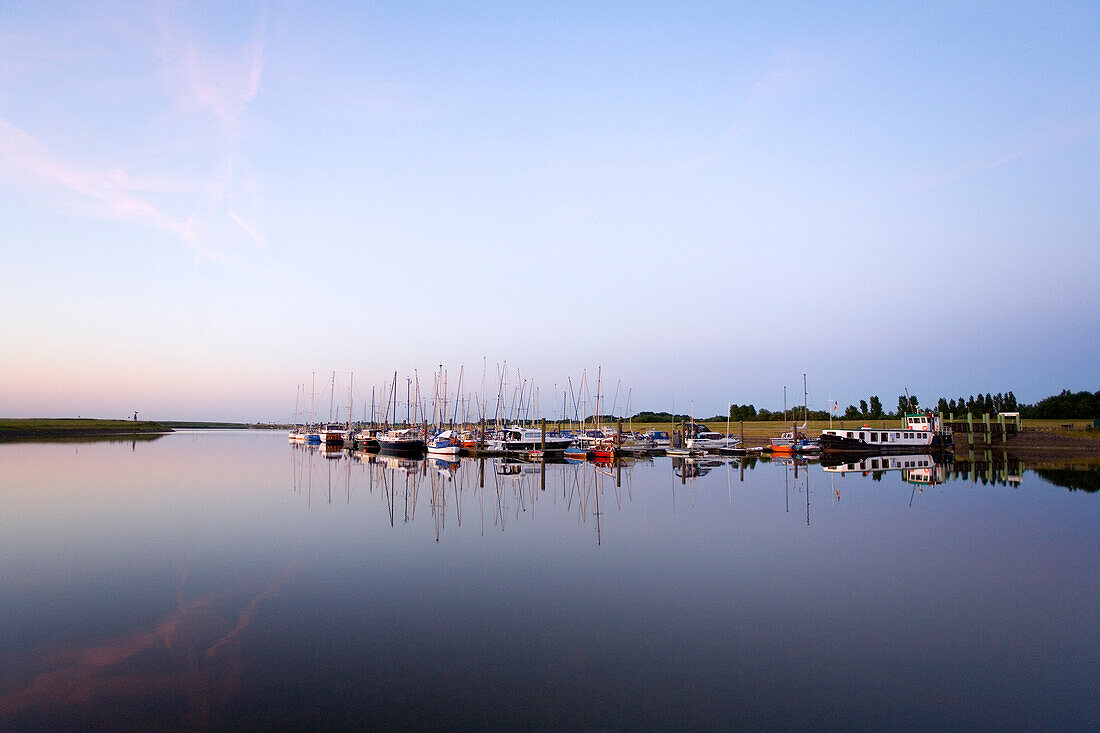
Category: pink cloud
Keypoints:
(22, 156)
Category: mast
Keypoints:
(297, 399)
(331, 394)
(461, 371)
(805, 402)
(599, 375)
(394, 393)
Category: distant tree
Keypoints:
(851, 413)
(1064, 405)
(742, 412)
(971, 406)
(914, 403)
(1010, 402)
(876, 407)
(863, 408)
(941, 406)
(658, 417)
(903, 405)
(989, 404)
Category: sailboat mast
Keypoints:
(331, 393)
(458, 392)
(297, 399)
(599, 375)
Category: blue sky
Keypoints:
(203, 204)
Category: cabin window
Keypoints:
(849, 434)
(874, 437)
(874, 462)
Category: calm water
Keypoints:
(231, 580)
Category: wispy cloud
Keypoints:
(219, 82)
(789, 75)
(155, 177)
(24, 157)
(1035, 142)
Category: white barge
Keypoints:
(921, 433)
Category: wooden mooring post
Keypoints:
(983, 432)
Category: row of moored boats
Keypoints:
(921, 432)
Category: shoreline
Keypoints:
(12, 429)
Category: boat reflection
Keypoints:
(919, 468)
(506, 490)
(695, 467)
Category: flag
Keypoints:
(836, 406)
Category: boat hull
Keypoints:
(401, 447)
(553, 445)
(842, 444)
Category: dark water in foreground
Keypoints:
(230, 580)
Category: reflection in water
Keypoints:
(131, 438)
(192, 654)
(184, 586)
(517, 485)
(515, 488)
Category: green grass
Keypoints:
(19, 428)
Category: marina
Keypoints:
(543, 278)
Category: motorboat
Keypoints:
(921, 432)
(446, 443)
(407, 441)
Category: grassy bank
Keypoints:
(35, 428)
(758, 432)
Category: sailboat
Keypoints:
(446, 443)
(796, 440)
(404, 441)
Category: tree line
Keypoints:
(1064, 405)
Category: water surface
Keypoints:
(228, 579)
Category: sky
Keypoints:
(204, 205)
